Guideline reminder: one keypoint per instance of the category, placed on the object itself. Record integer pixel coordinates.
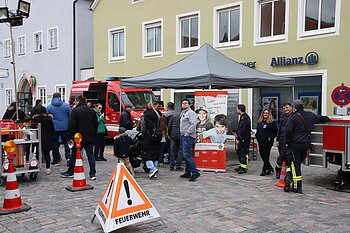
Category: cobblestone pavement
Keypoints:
(222, 202)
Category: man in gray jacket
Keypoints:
(188, 124)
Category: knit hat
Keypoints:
(122, 130)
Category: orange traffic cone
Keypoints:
(12, 201)
(280, 182)
(79, 181)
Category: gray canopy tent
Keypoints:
(207, 68)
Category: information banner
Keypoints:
(215, 101)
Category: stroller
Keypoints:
(135, 153)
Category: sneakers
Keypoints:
(55, 164)
(66, 175)
(186, 175)
(153, 174)
(194, 176)
(92, 177)
(48, 171)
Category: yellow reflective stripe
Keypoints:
(278, 166)
(298, 178)
(288, 169)
(244, 166)
(295, 177)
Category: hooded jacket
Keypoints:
(60, 112)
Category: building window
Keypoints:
(38, 42)
(7, 48)
(52, 38)
(21, 46)
(42, 95)
(153, 38)
(228, 25)
(188, 32)
(62, 90)
(8, 96)
(117, 44)
(272, 15)
(319, 17)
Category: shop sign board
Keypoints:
(310, 58)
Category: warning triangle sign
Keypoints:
(123, 202)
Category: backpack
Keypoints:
(156, 133)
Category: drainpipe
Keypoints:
(74, 41)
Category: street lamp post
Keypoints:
(14, 19)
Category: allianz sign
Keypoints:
(311, 59)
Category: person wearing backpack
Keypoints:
(152, 136)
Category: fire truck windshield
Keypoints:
(138, 99)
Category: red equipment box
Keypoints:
(210, 157)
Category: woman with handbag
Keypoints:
(152, 136)
(266, 132)
(100, 136)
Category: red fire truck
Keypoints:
(113, 99)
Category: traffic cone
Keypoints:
(12, 201)
(280, 182)
(79, 181)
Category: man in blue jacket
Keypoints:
(60, 112)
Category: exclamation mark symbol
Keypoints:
(126, 186)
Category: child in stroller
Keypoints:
(135, 153)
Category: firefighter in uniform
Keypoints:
(243, 139)
(287, 109)
(297, 141)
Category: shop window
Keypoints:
(308, 89)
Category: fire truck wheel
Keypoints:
(34, 176)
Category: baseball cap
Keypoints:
(203, 108)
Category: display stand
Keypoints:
(32, 166)
(210, 157)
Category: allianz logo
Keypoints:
(310, 59)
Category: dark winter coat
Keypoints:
(174, 127)
(151, 149)
(266, 132)
(122, 145)
(37, 110)
(300, 125)
(282, 129)
(83, 120)
(244, 128)
(126, 120)
(47, 131)
(11, 115)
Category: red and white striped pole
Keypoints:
(79, 181)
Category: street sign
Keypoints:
(341, 95)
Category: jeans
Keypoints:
(187, 151)
(89, 153)
(152, 165)
(99, 145)
(56, 147)
(175, 153)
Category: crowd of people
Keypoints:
(174, 132)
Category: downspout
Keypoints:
(74, 41)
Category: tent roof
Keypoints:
(205, 68)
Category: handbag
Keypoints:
(156, 133)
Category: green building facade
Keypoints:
(303, 39)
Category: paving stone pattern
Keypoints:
(222, 202)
